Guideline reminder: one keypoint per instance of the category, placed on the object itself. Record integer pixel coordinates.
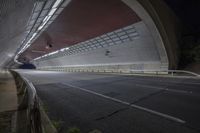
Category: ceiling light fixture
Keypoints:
(52, 11)
(56, 3)
(45, 20)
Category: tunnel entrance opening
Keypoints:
(132, 31)
(27, 66)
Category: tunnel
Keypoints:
(128, 36)
(99, 66)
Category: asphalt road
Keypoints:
(119, 103)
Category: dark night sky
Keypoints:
(188, 12)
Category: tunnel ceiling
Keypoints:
(80, 21)
(14, 15)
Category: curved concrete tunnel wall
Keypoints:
(163, 20)
(14, 16)
(139, 54)
(145, 52)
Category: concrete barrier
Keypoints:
(30, 116)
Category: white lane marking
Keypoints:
(162, 88)
(129, 104)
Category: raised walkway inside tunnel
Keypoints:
(110, 103)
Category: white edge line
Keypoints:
(129, 104)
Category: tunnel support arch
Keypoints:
(151, 45)
(163, 26)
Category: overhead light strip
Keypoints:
(45, 20)
(52, 53)
(119, 36)
(56, 3)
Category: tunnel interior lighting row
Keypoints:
(37, 25)
(116, 37)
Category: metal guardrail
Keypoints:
(183, 71)
(172, 72)
(157, 72)
(28, 116)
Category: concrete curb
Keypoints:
(134, 74)
(14, 123)
(151, 75)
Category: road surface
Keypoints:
(119, 103)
